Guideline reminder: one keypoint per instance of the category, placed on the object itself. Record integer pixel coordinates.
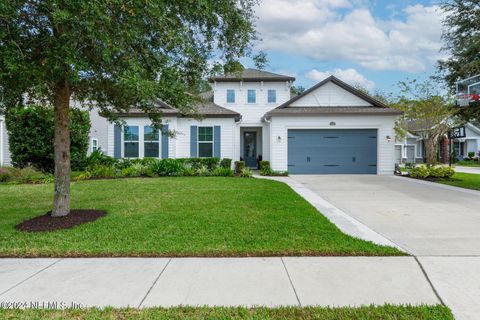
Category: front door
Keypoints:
(250, 149)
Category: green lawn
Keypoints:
(386, 312)
(464, 180)
(178, 217)
(467, 164)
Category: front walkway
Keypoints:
(474, 170)
(121, 282)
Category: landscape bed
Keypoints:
(385, 312)
(177, 216)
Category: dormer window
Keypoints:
(230, 96)
(251, 96)
(272, 96)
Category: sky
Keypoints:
(372, 43)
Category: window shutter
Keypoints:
(193, 142)
(216, 142)
(165, 142)
(117, 142)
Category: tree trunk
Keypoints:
(61, 199)
(431, 150)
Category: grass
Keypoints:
(177, 217)
(464, 163)
(385, 312)
(464, 180)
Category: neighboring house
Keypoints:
(331, 128)
(4, 148)
(471, 142)
(411, 149)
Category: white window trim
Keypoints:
(212, 142)
(159, 141)
(255, 96)
(96, 140)
(274, 90)
(234, 96)
(141, 141)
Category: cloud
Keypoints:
(335, 30)
(350, 76)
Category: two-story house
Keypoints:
(331, 128)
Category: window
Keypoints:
(94, 144)
(230, 96)
(205, 142)
(151, 142)
(251, 96)
(272, 96)
(131, 143)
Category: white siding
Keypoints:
(141, 122)
(330, 95)
(227, 135)
(98, 130)
(4, 147)
(251, 113)
(384, 125)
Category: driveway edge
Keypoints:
(346, 223)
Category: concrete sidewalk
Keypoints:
(145, 282)
(474, 170)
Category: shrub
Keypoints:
(31, 133)
(165, 167)
(441, 172)
(223, 172)
(4, 175)
(246, 173)
(135, 170)
(239, 165)
(266, 171)
(188, 171)
(83, 176)
(202, 171)
(98, 157)
(263, 164)
(420, 172)
(226, 163)
(103, 171)
(409, 165)
(471, 155)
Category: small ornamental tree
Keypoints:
(114, 54)
(431, 110)
(31, 137)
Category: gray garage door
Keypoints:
(332, 151)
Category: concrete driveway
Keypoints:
(425, 219)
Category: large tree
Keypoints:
(113, 54)
(461, 38)
(426, 105)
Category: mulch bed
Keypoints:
(47, 223)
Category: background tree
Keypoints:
(432, 111)
(296, 90)
(31, 134)
(113, 54)
(461, 36)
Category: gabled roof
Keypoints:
(205, 107)
(341, 84)
(250, 75)
(376, 107)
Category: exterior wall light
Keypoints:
(279, 139)
(333, 123)
(389, 138)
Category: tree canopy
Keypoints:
(114, 55)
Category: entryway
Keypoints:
(251, 146)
